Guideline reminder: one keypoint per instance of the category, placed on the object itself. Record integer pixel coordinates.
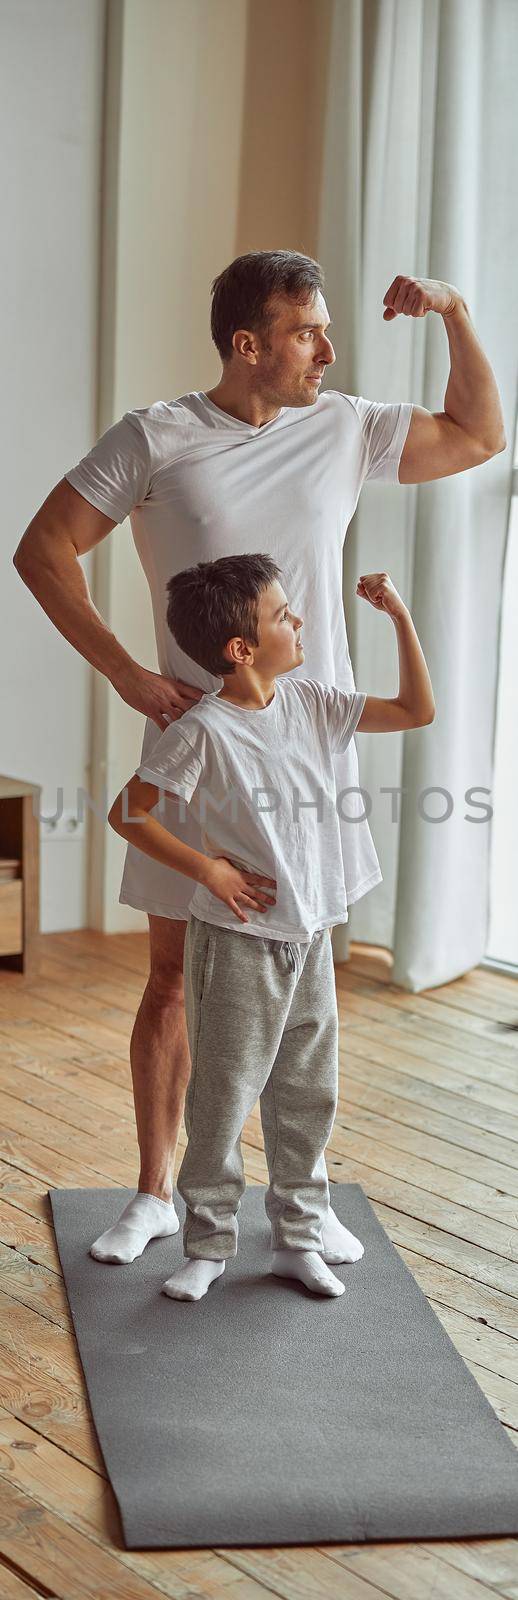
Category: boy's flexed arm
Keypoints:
(414, 704)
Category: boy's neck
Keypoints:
(250, 696)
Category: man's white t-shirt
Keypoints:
(261, 784)
(198, 483)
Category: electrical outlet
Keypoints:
(66, 826)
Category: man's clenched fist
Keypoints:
(415, 296)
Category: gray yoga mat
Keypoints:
(264, 1415)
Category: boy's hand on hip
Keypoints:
(237, 888)
(378, 589)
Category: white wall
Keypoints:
(51, 71)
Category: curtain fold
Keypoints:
(420, 177)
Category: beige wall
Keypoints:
(287, 51)
(214, 120)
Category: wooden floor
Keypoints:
(427, 1123)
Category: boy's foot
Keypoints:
(191, 1281)
(309, 1267)
(144, 1218)
(337, 1243)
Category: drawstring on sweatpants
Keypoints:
(287, 948)
(292, 953)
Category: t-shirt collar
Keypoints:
(247, 711)
(227, 420)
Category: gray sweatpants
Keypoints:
(262, 1023)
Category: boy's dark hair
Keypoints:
(217, 601)
(241, 293)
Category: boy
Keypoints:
(260, 991)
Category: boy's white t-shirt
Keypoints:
(261, 784)
(198, 483)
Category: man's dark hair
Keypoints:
(241, 293)
(217, 601)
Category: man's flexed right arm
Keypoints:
(66, 527)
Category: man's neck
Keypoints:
(246, 408)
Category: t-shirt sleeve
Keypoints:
(173, 764)
(384, 428)
(115, 474)
(343, 712)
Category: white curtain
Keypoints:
(421, 177)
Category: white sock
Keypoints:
(337, 1243)
(309, 1267)
(144, 1218)
(191, 1281)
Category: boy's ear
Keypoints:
(237, 651)
(227, 651)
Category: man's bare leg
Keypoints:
(160, 1058)
(160, 1068)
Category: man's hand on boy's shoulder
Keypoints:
(164, 700)
(379, 590)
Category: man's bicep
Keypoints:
(64, 515)
(436, 447)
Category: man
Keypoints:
(265, 461)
